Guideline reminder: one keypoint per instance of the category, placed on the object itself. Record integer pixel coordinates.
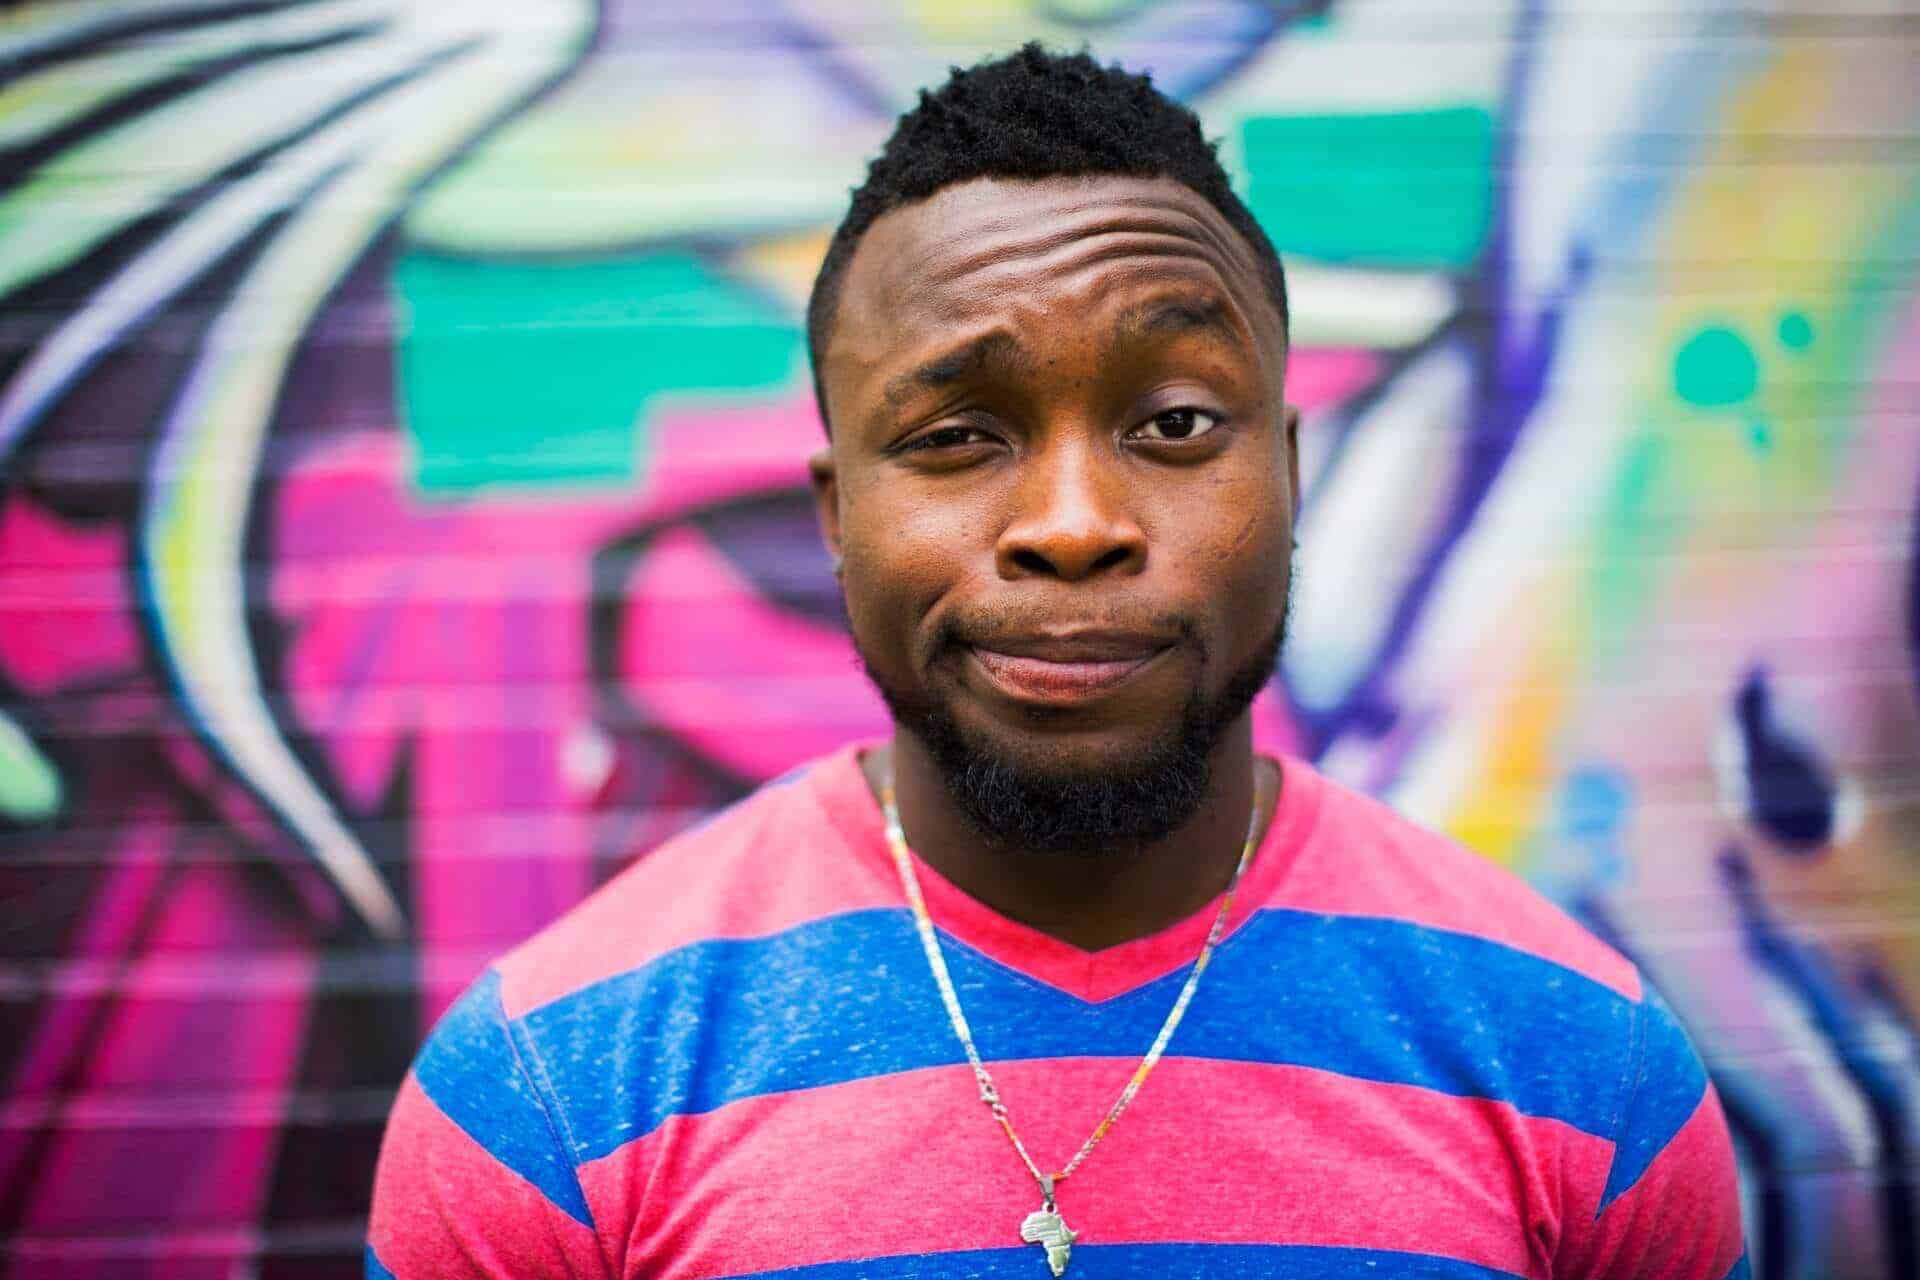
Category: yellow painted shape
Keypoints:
(1502, 807)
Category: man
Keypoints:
(1225, 1017)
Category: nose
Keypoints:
(1072, 518)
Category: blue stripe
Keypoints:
(1668, 1085)
(1153, 1262)
(849, 997)
(377, 1270)
(472, 1069)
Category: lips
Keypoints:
(1065, 668)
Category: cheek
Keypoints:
(1242, 531)
(1239, 554)
(900, 558)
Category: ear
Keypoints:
(1290, 416)
(826, 501)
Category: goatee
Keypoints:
(1088, 813)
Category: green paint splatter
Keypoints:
(1715, 368)
(1410, 189)
(30, 788)
(1638, 520)
(517, 375)
(1760, 435)
(1796, 331)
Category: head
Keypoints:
(1049, 345)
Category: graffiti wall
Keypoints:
(403, 524)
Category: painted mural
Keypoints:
(403, 524)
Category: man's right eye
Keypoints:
(949, 438)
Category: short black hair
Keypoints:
(1031, 114)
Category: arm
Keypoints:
(475, 1178)
(1670, 1207)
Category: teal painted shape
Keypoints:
(1715, 368)
(1409, 189)
(1796, 331)
(30, 789)
(519, 375)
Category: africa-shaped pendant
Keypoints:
(1046, 1228)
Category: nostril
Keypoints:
(1032, 561)
(1112, 559)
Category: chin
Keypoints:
(1063, 753)
(1073, 794)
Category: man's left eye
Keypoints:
(1177, 424)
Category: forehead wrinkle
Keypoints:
(956, 256)
(1192, 295)
(1055, 259)
(925, 265)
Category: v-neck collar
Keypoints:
(1093, 976)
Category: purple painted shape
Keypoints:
(1510, 365)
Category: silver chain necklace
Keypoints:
(1044, 1226)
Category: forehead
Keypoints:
(995, 251)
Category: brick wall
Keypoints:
(403, 525)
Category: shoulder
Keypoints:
(781, 856)
(1362, 858)
(1557, 1023)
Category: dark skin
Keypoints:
(1061, 487)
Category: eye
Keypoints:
(1177, 424)
(949, 438)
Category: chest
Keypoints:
(1320, 1104)
(1218, 1168)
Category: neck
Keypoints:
(1092, 902)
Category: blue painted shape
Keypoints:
(1153, 1262)
(1790, 790)
(849, 997)
(376, 1269)
(1594, 803)
(1741, 1269)
(1667, 1089)
(472, 1069)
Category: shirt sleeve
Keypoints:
(1670, 1206)
(474, 1177)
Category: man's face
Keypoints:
(1062, 471)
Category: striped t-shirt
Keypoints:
(733, 1061)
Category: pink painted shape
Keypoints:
(750, 684)
(65, 613)
(190, 1077)
(1321, 376)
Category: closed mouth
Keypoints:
(1064, 669)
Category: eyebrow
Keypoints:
(1185, 313)
(951, 366)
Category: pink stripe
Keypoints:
(911, 1162)
(796, 853)
(1680, 1221)
(772, 862)
(1088, 975)
(443, 1206)
(1365, 859)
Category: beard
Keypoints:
(1089, 812)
